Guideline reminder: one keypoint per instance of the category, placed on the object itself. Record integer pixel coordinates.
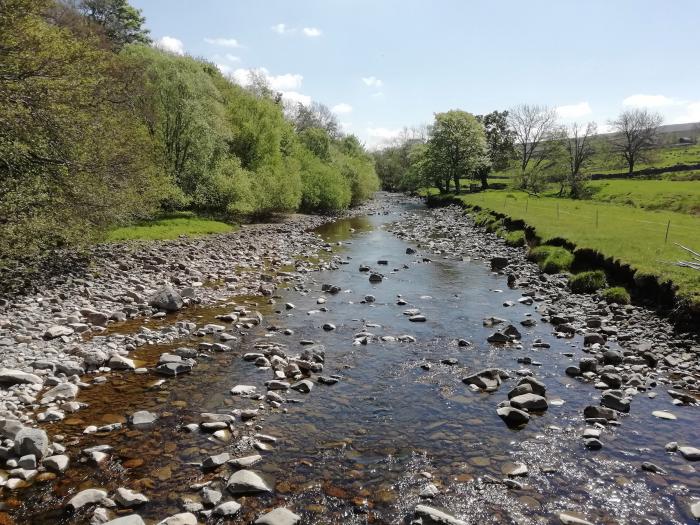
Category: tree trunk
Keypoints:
(484, 181)
(456, 178)
(631, 163)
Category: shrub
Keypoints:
(587, 282)
(552, 259)
(515, 238)
(617, 294)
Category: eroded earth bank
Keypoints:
(397, 366)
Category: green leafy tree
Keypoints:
(457, 146)
(122, 23)
(317, 141)
(500, 140)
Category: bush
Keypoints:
(587, 282)
(552, 259)
(617, 294)
(515, 238)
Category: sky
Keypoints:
(385, 64)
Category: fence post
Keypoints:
(596, 218)
(527, 201)
(557, 211)
(668, 227)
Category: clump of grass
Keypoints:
(616, 294)
(170, 227)
(587, 282)
(552, 259)
(515, 238)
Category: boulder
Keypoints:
(86, 497)
(128, 498)
(247, 482)
(166, 299)
(52, 332)
(513, 417)
(57, 463)
(529, 402)
(143, 419)
(31, 441)
(228, 508)
(184, 518)
(60, 391)
(434, 516)
(9, 377)
(278, 516)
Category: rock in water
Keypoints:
(132, 519)
(31, 441)
(279, 516)
(184, 518)
(512, 416)
(166, 299)
(437, 516)
(247, 482)
(228, 508)
(86, 497)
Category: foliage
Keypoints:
(169, 227)
(122, 23)
(616, 294)
(73, 160)
(515, 238)
(456, 147)
(552, 259)
(587, 282)
(500, 140)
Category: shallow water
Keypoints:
(355, 452)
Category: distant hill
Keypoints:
(692, 128)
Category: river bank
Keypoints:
(352, 375)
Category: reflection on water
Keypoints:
(361, 451)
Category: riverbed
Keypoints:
(399, 428)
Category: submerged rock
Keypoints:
(279, 516)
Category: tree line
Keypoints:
(527, 139)
(98, 128)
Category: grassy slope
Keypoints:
(680, 196)
(169, 227)
(632, 235)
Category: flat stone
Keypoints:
(216, 461)
(247, 482)
(228, 508)
(57, 330)
(9, 376)
(662, 414)
(173, 369)
(86, 497)
(437, 516)
(567, 518)
(247, 461)
(303, 386)
(143, 419)
(690, 453)
(529, 402)
(184, 518)
(279, 516)
(128, 498)
(61, 391)
(57, 463)
(131, 519)
(243, 390)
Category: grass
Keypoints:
(588, 282)
(616, 294)
(515, 238)
(169, 227)
(679, 196)
(634, 236)
(552, 259)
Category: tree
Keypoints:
(500, 140)
(531, 125)
(579, 149)
(457, 145)
(635, 133)
(317, 141)
(315, 115)
(122, 23)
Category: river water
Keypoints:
(362, 450)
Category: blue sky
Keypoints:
(385, 64)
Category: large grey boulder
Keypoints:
(513, 417)
(488, 379)
(279, 516)
(52, 332)
(247, 482)
(529, 402)
(31, 441)
(166, 299)
(9, 376)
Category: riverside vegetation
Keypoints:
(102, 130)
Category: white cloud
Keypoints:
(223, 42)
(372, 82)
(312, 32)
(225, 69)
(296, 98)
(378, 94)
(574, 110)
(171, 44)
(280, 29)
(342, 108)
(286, 82)
(649, 101)
(690, 114)
(232, 58)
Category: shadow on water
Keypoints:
(359, 451)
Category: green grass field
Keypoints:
(667, 195)
(632, 235)
(170, 227)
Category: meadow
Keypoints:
(169, 227)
